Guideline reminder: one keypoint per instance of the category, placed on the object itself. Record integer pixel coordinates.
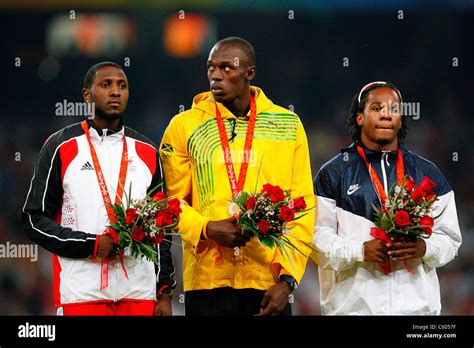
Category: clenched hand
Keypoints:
(227, 234)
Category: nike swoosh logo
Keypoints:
(352, 189)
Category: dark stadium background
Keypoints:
(301, 48)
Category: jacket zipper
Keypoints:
(384, 174)
(385, 186)
(112, 263)
(115, 281)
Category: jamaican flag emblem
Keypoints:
(166, 150)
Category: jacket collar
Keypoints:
(205, 102)
(374, 155)
(101, 133)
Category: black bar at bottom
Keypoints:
(224, 331)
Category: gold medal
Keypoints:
(233, 209)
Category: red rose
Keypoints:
(277, 195)
(263, 226)
(112, 233)
(250, 204)
(267, 188)
(427, 184)
(138, 234)
(173, 207)
(299, 203)
(427, 222)
(418, 194)
(430, 194)
(286, 213)
(402, 219)
(378, 233)
(164, 219)
(130, 216)
(409, 185)
(159, 196)
(157, 239)
(275, 192)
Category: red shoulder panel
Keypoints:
(67, 152)
(147, 153)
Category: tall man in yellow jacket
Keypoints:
(225, 271)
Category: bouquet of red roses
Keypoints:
(266, 215)
(142, 224)
(406, 214)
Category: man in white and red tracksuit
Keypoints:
(65, 211)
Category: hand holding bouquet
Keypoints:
(142, 224)
(406, 214)
(267, 215)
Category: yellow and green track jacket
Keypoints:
(195, 172)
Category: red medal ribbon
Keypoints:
(104, 274)
(375, 178)
(376, 232)
(237, 186)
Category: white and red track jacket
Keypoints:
(64, 212)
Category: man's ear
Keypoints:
(360, 119)
(251, 72)
(86, 95)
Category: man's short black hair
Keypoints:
(89, 78)
(243, 44)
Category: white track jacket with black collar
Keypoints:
(64, 212)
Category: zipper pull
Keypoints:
(104, 134)
(385, 155)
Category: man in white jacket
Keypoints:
(351, 281)
(79, 170)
